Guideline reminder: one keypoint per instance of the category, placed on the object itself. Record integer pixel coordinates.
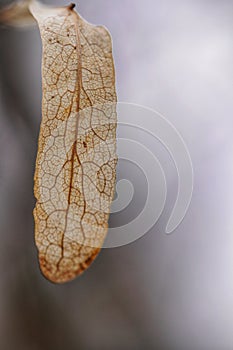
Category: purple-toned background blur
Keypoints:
(161, 292)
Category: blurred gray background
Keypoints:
(161, 292)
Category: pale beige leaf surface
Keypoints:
(76, 160)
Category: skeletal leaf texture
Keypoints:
(76, 160)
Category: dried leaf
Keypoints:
(76, 160)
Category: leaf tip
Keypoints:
(71, 6)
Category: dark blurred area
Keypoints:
(161, 292)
